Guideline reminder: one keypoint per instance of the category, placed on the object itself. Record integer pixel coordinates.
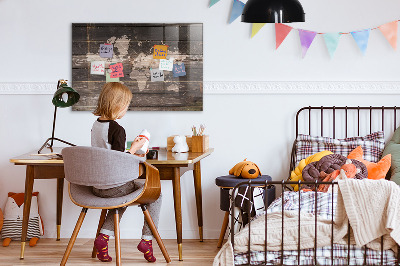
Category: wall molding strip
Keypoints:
(243, 87)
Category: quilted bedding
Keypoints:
(292, 201)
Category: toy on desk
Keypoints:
(245, 169)
(13, 215)
(180, 144)
(144, 134)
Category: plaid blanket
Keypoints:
(307, 202)
(322, 204)
(324, 257)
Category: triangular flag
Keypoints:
(306, 39)
(213, 2)
(332, 41)
(237, 9)
(281, 31)
(256, 28)
(390, 32)
(361, 37)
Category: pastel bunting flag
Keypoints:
(237, 9)
(332, 41)
(213, 2)
(361, 37)
(389, 30)
(281, 31)
(306, 39)
(256, 27)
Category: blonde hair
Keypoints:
(113, 98)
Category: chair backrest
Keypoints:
(92, 166)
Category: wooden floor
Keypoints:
(50, 252)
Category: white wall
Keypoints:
(36, 47)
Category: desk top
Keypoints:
(164, 157)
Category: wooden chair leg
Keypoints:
(117, 238)
(101, 222)
(73, 237)
(154, 230)
(223, 229)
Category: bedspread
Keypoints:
(291, 204)
(371, 206)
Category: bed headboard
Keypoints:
(344, 121)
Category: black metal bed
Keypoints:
(377, 117)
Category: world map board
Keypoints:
(133, 46)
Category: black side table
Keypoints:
(226, 183)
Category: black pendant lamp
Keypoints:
(273, 11)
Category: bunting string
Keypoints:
(361, 37)
(343, 33)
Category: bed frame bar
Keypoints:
(364, 110)
(346, 109)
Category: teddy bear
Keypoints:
(180, 144)
(245, 169)
(13, 215)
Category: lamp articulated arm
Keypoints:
(73, 98)
(46, 143)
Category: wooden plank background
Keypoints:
(185, 43)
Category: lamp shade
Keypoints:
(65, 96)
(273, 11)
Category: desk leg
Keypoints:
(176, 182)
(60, 190)
(199, 204)
(27, 206)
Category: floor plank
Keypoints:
(50, 252)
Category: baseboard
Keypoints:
(244, 87)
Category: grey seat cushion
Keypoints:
(83, 196)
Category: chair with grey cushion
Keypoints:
(85, 167)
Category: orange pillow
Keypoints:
(375, 170)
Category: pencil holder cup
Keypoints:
(200, 143)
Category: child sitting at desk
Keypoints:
(106, 133)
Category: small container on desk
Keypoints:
(152, 154)
(200, 143)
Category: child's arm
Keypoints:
(136, 145)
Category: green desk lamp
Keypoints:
(64, 97)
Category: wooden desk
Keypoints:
(168, 163)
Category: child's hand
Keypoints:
(143, 155)
(137, 144)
